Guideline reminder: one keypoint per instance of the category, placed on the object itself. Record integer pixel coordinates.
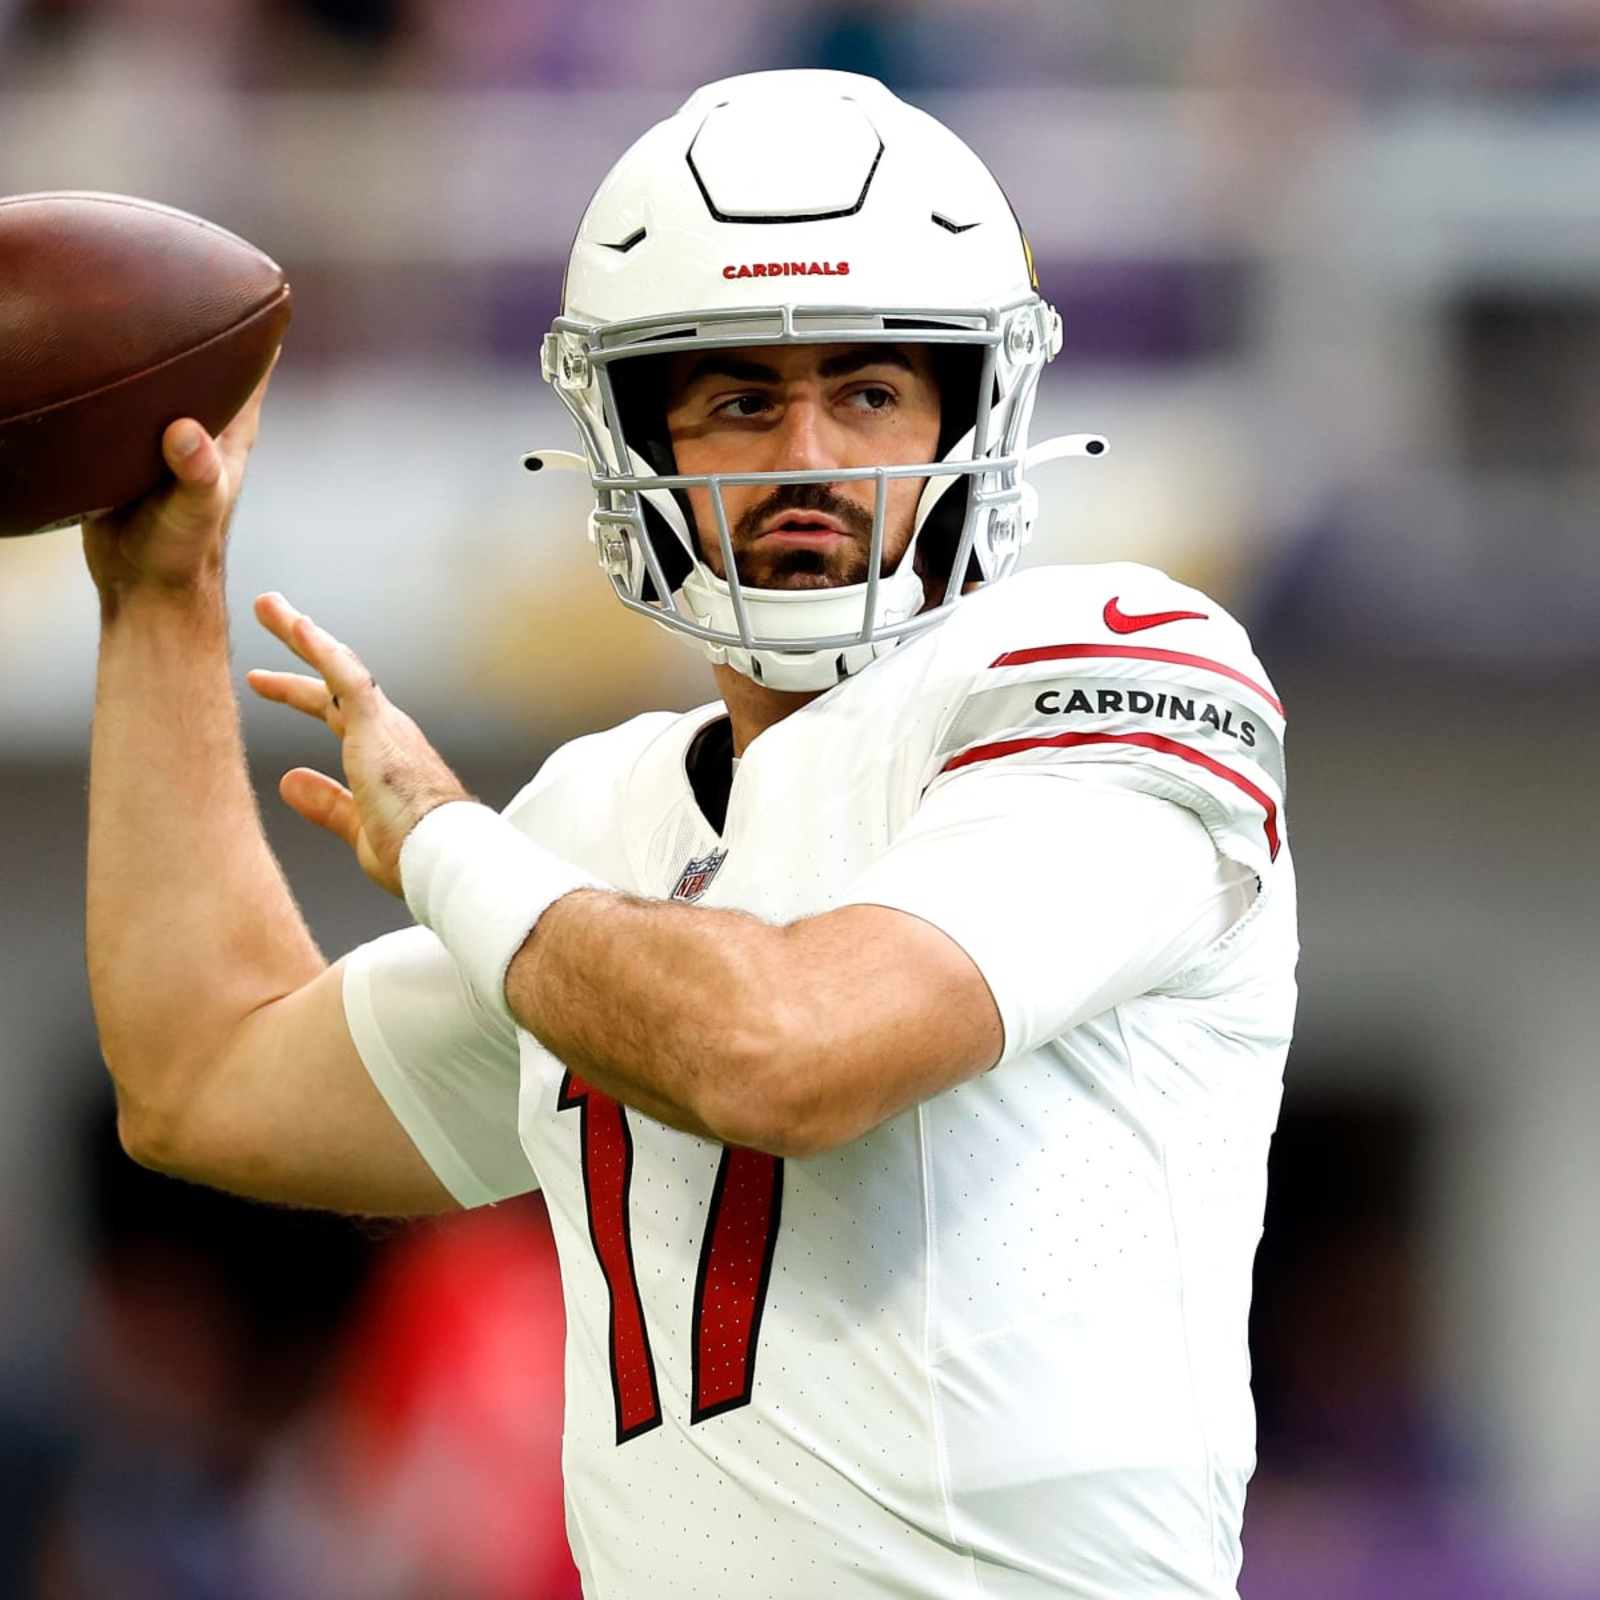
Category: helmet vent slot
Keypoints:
(633, 238)
(953, 227)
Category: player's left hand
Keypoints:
(395, 776)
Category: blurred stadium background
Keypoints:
(1331, 280)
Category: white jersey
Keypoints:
(997, 1346)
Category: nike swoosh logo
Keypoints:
(1120, 621)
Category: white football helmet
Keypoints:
(787, 208)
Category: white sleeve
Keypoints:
(445, 1063)
(1070, 895)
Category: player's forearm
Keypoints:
(790, 1039)
(190, 924)
(642, 1000)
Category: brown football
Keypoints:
(117, 317)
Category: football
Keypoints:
(117, 317)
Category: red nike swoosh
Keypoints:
(1120, 621)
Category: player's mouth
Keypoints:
(803, 528)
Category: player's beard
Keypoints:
(786, 567)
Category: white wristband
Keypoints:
(481, 885)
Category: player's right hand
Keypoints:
(174, 538)
(395, 776)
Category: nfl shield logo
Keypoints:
(696, 877)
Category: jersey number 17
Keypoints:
(730, 1288)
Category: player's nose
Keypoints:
(805, 438)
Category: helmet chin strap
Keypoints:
(776, 615)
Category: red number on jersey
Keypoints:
(607, 1170)
(730, 1289)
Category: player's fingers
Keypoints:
(322, 800)
(192, 454)
(296, 690)
(342, 669)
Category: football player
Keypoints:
(896, 1039)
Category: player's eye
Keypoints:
(871, 397)
(751, 404)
